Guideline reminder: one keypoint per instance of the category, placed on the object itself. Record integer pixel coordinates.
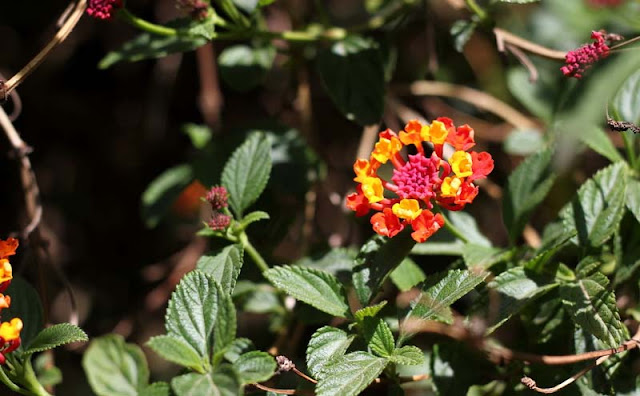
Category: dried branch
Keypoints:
(477, 98)
(69, 23)
(531, 383)
(503, 37)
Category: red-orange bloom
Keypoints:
(8, 247)
(386, 223)
(425, 225)
(419, 180)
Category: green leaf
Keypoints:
(516, 288)
(156, 389)
(350, 374)
(407, 355)
(56, 335)
(115, 368)
(480, 258)
(247, 6)
(454, 369)
(632, 198)
(444, 243)
(200, 135)
(599, 142)
(378, 336)
(238, 347)
(46, 371)
(316, 288)
(192, 311)
(224, 331)
(542, 264)
(626, 102)
(255, 366)
(246, 173)
(527, 186)
(369, 312)
(519, 1)
(352, 72)
(176, 350)
(407, 275)
(598, 207)
(461, 31)
(163, 191)
(377, 258)
(252, 218)
(524, 142)
(326, 344)
(593, 307)
(25, 304)
(243, 67)
(148, 46)
(223, 265)
(440, 292)
(223, 382)
(537, 97)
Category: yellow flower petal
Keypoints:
(461, 164)
(407, 209)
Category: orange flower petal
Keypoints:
(8, 247)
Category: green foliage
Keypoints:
(54, 336)
(316, 288)
(327, 344)
(115, 368)
(348, 375)
(461, 31)
(527, 186)
(243, 67)
(176, 350)
(223, 265)
(163, 191)
(378, 336)
(246, 173)
(255, 366)
(224, 382)
(407, 275)
(598, 208)
(353, 75)
(625, 105)
(25, 304)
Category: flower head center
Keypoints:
(418, 177)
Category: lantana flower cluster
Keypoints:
(218, 198)
(581, 59)
(407, 199)
(9, 331)
(103, 9)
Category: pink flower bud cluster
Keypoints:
(103, 9)
(579, 60)
(218, 198)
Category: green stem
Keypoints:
(30, 381)
(5, 380)
(255, 256)
(451, 228)
(628, 145)
(477, 10)
(147, 26)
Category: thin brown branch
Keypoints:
(531, 383)
(525, 61)
(367, 140)
(303, 375)
(66, 28)
(503, 37)
(280, 391)
(477, 98)
(461, 333)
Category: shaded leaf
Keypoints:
(224, 330)
(176, 350)
(56, 335)
(156, 389)
(115, 368)
(407, 275)
(350, 374)
(223, 265)
(163, 191)
(598, 207)
(593, 307)
(352, 72)
(200, 135)
(243, 67)
(369, 312)
(316, 288)
(524, 142)
(252, 218)
(25, 304)
(480, 258)
(378, 336)
(376, 259)
(516, 288)
(527, 186)
(326, 344)
(632, 198)
(407, 355)
(255, 366)
(461, 31)
(246, 173)
(626, 103)
(238, 347)
(223, 382)
(599, 141)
